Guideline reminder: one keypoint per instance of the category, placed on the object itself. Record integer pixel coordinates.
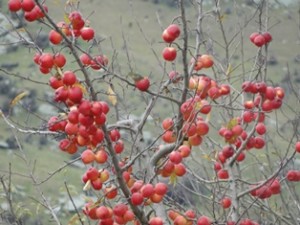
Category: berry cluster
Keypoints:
(260, 39)
(31, 11)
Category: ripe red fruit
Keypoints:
(179, 169)
(173, 30)
(128, 216)
(32, 15)
(102, 212)
(167, 123)
(143, 84)
(28, 5)
(184, 150)
(241, 157)
(167, 37)
(195, 140)
(156, 221)
(85, 59)
(46, 60)
(203, 220)
(137, 198)
(268, 37)
(175, 157)
(217, 166)
(105, 107)
(87, 33)
(228, 151)
(206, 61)
(69, 78)
(101, 156)
(270, 93)
(161, 188)
(14, 5)
(260, 128)
(248, 116)
(137, 185)
(96, 184)
(293, 175)
(87, 156)
(223, 174)
(259, 142)
(75, 94)
(253, 36)
(114, 135)
(202, 128)
(169, 53)
(55, 37)
(259, 40)
(61, 94)
(59, 60)
(119, 146)
(92, 173)
(171, 33)
(120, 209)
(226, 202)
(98, 62)
(76, 20)
(275, 187)
(71, 129)
(85, 107)
(297, 146)
(169, 136)
(55, 83)
(147, 190)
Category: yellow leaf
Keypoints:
(81, 87)
(19, 97)
(112, 97)
(232, 123)
(66, 19)
(207, 157)
(135, 76)
(22, 29)
(173, 179)
(229, 70)
(222, 17)
(73, 219)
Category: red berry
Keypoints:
(143, 84)
(259, 40)
(14, 5)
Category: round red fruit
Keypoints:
(28, 5)
(223, 174)
(87, 156)
(143, 84)
(259, 40)
(137, 198)
(59, 60)
(87, 33)
(69, 78)
(46, 60)
(203, 220)
(226, 202)
(14, 5)
(55, 37)
(169, 53)
(156, 221)
(297, 146)
(268, 37)
(253, 36)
